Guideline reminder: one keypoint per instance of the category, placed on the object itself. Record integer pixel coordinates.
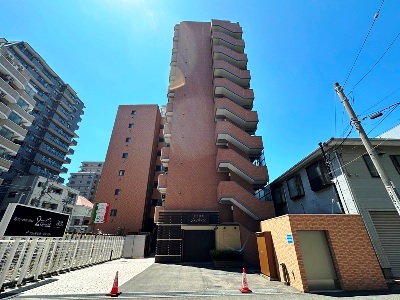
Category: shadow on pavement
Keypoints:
(24, 288)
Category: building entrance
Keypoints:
(197, 245)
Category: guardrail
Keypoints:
(25, 259)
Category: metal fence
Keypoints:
(30, 259)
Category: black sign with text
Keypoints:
(29, 221)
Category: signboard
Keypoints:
(101, 212)
(289, 238)
(27, 221)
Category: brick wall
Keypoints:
(353, 256)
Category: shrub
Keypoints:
(226, 255)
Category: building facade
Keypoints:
(16, 106)
(198, 178)
(55, 115)
(80, 216)
(42, 192)
(353, 188)
(86, 180)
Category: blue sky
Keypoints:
(115, 52)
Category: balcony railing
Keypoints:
(4, 111)
(239, 60)
(11, 147)
(165, 156)
(167, 133)
(224, 88)
(17, 129)
(220, 38)
(169, 111)
(7, 67)
(231, 193)
(11, 95)
(162, 183)
(229, 160)
(234, 74)
(227, 109)
(232, 29)
(226, 132)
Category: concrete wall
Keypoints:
(353, 256)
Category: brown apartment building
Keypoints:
(192, 171)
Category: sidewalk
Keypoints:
(92, 282)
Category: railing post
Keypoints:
(20, 258)
(7, 265)
(42, 260)
(73, 257)
(28, 260)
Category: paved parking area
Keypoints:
(144, 279)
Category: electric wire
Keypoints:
(380, 101)
(387, 115)
(365, 40)
(384, 53)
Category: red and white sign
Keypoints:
(101, 212)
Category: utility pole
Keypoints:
(390, 188)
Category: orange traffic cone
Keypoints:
(245, 286)
(114, 290)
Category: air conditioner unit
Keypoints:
(21, 68)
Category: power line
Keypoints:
(387, 115)
(365, 40)
(384, 53)
(380, 101)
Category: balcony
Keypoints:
(231, 193)
(234, 74)
(157, 210)
(9, 145)
(229, 160)
(4, 111)
(48, 163)
(226, 132)
(5, 164)
(169, 111)
(18, 130)
(23, 113)
(165, 156)
(11, 95)
(55, 131)
(167, 133)
(56, 142)
(70, 151)
(74, 143)
(238, 60)
(7, 68)
(227, 109)
(62, 124)
(222, 39)
(170, 95)
(174, 60)
(27, 98)
(162, 183)
(232, 29)
(223, 88)
(69, 99)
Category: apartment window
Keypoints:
(130, 125)
(73, 176)
(159, 168)
(117, 192)
(124, 155)
(99, 165)
(113, 212)
(121, 173)
(161, 126)
(155, 184)
(158, 152)
(295, 187)
(39, 184)
(278, 195)
(128, 139)
(396, 161)
(88, 182)
(72, 182)
(160, 139)
(133, 113)
(371, 168)
(318, 176)
(154, 202)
